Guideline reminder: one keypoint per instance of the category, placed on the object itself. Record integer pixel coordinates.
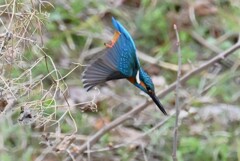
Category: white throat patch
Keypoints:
(138, 77)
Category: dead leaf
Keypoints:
(101, 122)
(3, 104)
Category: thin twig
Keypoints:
(92, 140)
(169, 66)
(202, 41)
(144, 153)
(175, 137)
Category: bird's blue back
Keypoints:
(127, 57)
(128, 62)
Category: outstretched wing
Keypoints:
(118, 62)
(102, 70)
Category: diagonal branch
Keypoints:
(94, 138)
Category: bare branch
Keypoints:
(202, 41)
(175, 137)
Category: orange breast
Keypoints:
(142, 84)
(133, 80)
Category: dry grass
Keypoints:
(35, 98)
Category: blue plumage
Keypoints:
(128, 63)
(120, 61)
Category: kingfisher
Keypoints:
(120, 61)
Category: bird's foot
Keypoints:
(114, 40)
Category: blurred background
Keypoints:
(46, 114)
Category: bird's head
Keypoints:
(145, 83)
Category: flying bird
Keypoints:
(120, 62)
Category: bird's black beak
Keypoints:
(157, 102)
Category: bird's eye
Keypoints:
(148, 89)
